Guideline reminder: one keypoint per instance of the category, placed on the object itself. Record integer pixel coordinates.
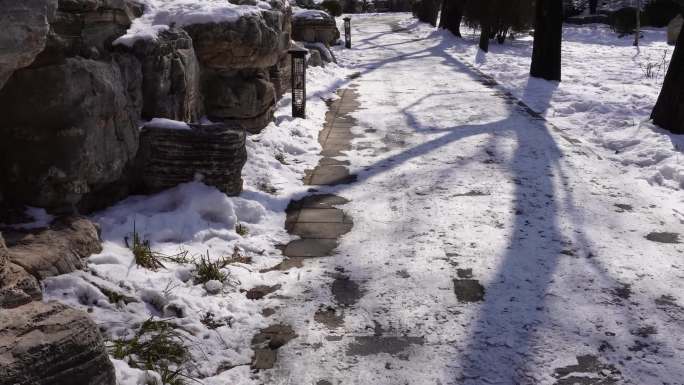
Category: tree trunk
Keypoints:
(484, 38)
(637, 35)
(452, 15)
(593, 6)
(668, 112)
(548, 33)
(427, 11)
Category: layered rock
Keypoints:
(87, 28)
(51, 343)
(78, 117)
(170, 77)
(17, 287)
(314, 26)
(251, 41)
(246, 97)
(25, 31)
(170, 156)
(244, 66)
(59, 249)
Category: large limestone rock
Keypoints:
(24, 26)
(171, 77)
(59, 249)
(171, 156)
(314, 26)
(246, 97)
(673, 30)
(251, 41)
(67, 129)
(17, 287)
(87, 28)
(51, 344)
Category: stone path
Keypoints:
(485, 248)
(315, 218)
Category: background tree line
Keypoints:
(497, 19)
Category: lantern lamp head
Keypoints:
(347, 32)
(298, 81)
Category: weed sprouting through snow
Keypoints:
(158, 347)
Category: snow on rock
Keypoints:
(201, 221)
(311, 14)
(160, 14)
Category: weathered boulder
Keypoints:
(58, 249)
(254, 40)
(87, 28)
(246, 97)
(314, 26)
(24, 25)
(674, 29)
(324, 53)
(171, 76)
(314, 59)
(51, 344)
(17, 287)
(78, 117)
(170, 156)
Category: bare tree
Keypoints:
(548, 33)
(452, 15)
(668, 112)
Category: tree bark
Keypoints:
(452, 15)
(484, 37)
(668, 112)
(427, 11)
(593, 6)
(548, 33)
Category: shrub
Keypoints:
(206, 270)
(155, 346)
(333, 7)
(241, 229)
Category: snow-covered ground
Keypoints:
(605, 98)
(457, 187)
(200, 221)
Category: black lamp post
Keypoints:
(298, 82)
(347, 32)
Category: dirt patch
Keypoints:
(469, 290)
(329, 317)
(623, 207)
(346, 291)
(369, 345)
(266, 344)
(286, 264)
(464, 273)
(663, 237)
(259, 292)
(588, 371)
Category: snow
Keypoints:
(551, 221)
(199, 220)
(605, 97)
(311, 14)
(159, 15)
(40, 219)
(167, 124)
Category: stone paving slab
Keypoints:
(315, 218)
(310, 248)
